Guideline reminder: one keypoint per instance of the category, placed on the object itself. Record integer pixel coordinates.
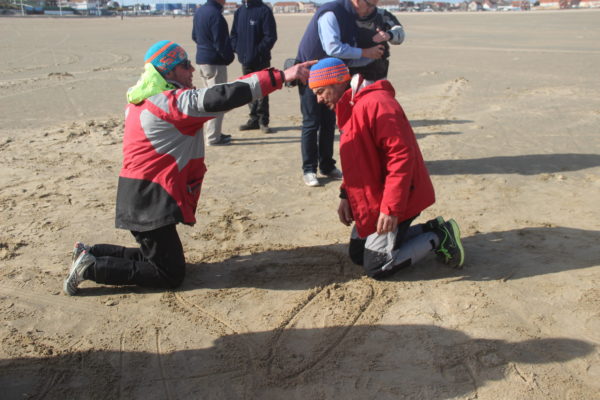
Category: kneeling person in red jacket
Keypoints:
(385, 184)
(163, 167)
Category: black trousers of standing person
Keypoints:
(259, 109)
(159, 261)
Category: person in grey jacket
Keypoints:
(213, 54)
(253, 35)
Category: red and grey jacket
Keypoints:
(384, 171)
(163, 149)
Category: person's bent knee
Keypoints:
(356, 251)
(176, 279)
(379, 267)
(174, 276)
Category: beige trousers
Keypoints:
(212, 75)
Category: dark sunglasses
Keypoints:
(186, 64)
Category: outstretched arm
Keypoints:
(224, 97)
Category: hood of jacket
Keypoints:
(360, 87)
(150, 83)
(253, 3)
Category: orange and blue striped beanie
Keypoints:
(165, 55)
(328, 71)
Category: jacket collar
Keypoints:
(347, 4)
(252, 3)
(150, 83)
(360, 87)
(214, 3)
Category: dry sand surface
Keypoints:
(506, 107)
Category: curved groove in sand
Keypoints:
(312, 362)
(162, 367)
(188, 304)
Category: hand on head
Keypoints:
(299, 72)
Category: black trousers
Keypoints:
(159, 261)
(259, 109)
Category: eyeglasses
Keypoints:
(186, 64)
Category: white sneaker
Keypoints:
(333, 174)
(75, 277)
(77, 249)
(310, 179)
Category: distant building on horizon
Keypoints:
(291, 7)
(589, 4)
(390, 5)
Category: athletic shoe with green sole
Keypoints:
(451, 250)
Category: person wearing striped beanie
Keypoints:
(163, 167)
(165, 56)
(329, 79)
(385, 184)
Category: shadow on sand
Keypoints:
(532, 164)
(350, 362)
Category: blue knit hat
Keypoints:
(328, 71)
(165, 55)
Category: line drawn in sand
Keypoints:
(339, 304)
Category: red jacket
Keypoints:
(163, 149)
(383, 167)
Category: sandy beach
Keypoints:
(506, 109)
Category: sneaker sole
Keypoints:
(456, 234)
(66, 288)
(312, 184)
(72, 272)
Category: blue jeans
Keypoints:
(318, 129)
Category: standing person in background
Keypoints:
(253, 35)
(380, 26)
(213, 54)
(331, 32)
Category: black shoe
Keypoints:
(224, 140)
(250, 125)
(266, 129)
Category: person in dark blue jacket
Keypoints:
(253, 35)
(213, 55)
